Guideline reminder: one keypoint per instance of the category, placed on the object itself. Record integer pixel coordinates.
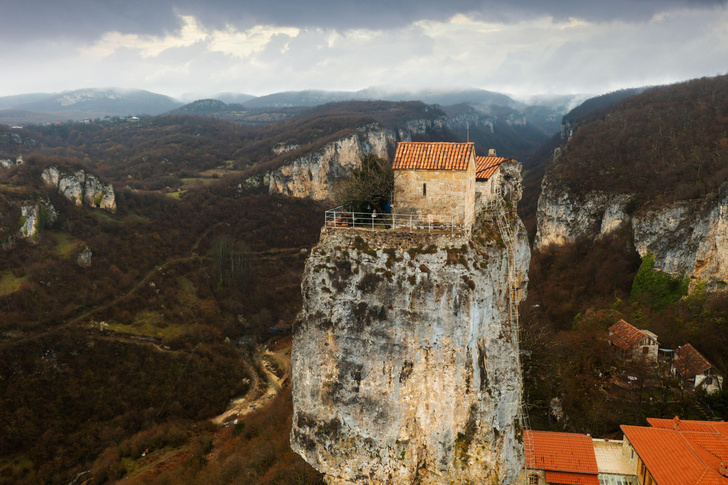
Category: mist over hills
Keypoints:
(543, 112)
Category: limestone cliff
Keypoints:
(405, 361)
(687, 237)
(81, 188)
(314, 174)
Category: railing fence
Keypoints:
(339, 217)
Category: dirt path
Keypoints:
(262, 389)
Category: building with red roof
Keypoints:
(632, 343)
(675, 452)
(695, 370)
(444, 179)
(436, 179)
(490, 173)
(559, 458)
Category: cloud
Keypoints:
(28, 20)
(535, 54)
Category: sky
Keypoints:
(190, 48)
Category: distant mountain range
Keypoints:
(544, 112)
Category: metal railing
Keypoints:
(339, 217)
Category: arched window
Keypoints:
(533, 479)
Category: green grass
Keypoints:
(9, 283)
(187, 285)
(15, 465)
(176, 195)
(148, 324)
(65, 244)
(192, 182)
(15, 189)
(103, 216)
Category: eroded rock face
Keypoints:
(563, 217)
(313, 175)
(81, 188)
(35, 215)
(688, 238)
(405, 363)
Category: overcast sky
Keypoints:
(258, 47)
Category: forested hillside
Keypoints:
(663, 145)
(144, 337)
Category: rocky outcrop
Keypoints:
(315, 174)
(81, 188)
(563, 216)
(688, 238)
(421, 127)
(84, 257)
(405, 361)
(34, 217)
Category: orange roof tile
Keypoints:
(567, 478)
(564, 452)
(689, 362)
(624, 335)
(485, 167)
(691, 425)
(433, 156)
(676, 457)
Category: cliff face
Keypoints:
(313, 175)
(81, 188)
(563, 217)
(405, 362)
(687, 238)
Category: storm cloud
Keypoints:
(519, 47)
(90, 19)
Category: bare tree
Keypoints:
(370, 185)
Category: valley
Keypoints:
(152, 343)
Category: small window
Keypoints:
(645, 350)
(424, 189)
(533, 479)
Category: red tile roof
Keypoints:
(561, 452)
(676, 457)
(689, 362)
(624, 335)
(485, 167)
(433, 156)
(690, 425)
(567, 478)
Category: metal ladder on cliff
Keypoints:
(508, 235)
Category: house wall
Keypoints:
(523, 478)
(652, 347)
(449, 192)
(716, 382)
(643, 474)
(487, 190)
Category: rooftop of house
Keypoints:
(689, 362)
(690, 425)
(485, 167)
(433, 156)
(680, 456)
(625, 336)
(565, 457)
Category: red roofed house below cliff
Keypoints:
(695, 370)
(559, 459)
(632, 343)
